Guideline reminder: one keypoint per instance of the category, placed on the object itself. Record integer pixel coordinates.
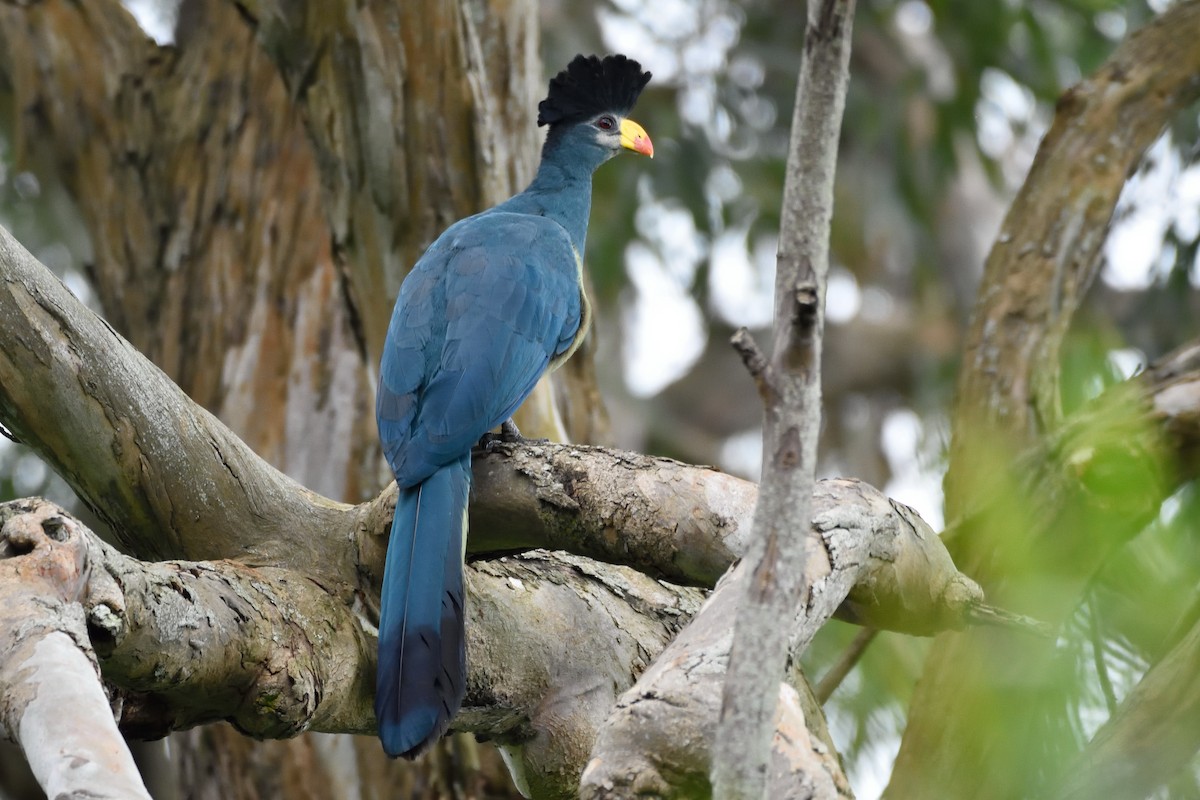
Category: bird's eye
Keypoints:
(606, 123)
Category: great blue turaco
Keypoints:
(495, 302)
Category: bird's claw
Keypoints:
(509, 434)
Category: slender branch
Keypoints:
(776, 555)
(847, 661)
(756, 363)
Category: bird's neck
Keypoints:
(562, 191)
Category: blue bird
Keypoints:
(495, 302)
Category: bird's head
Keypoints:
(587, 108)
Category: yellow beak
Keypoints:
(633, 137)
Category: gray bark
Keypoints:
(867, 554)
(790, 385)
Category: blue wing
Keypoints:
(478, 320)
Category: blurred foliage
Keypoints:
(946, 105)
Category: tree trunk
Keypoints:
(252, 211)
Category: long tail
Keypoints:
(422, 650)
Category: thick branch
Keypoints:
(51, 700)
(540, 700)
(264, 648)
(1048, 251)
(662, 732)
(75, 390)
(166, 475)
(676, 521)
(273, 653)
(554, 640)
(270, 651)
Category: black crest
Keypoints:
(590, 85)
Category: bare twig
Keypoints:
(756, 363)
(849, 658)
(984, 614)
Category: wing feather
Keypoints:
(488, 306)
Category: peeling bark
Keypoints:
(412, 133)
(210, 248)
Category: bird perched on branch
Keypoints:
(495, 302)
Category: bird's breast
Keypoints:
(585, 317)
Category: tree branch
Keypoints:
(867, 556)
(576, 496)
(792, 423)
(53, 704)
(166, 475)
(677, 521)
(1048, 250)
(270, 651)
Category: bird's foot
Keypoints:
(509, 434)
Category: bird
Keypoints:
(495, 302)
